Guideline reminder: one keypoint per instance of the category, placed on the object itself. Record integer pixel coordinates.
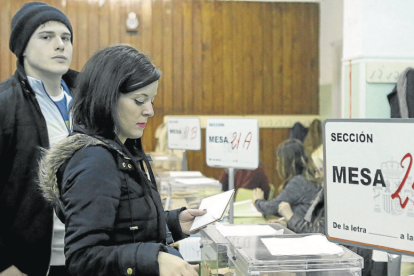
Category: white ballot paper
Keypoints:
(215, 205)
(309, 245)
(247, 230)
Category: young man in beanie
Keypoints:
(33, 115)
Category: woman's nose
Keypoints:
(149, 110)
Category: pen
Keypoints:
(282, 218)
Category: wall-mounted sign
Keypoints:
(184, 133)
(232, 143)
(369, 183)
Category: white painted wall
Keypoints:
(331, 18)
(378, 29)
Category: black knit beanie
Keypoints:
(25, 22)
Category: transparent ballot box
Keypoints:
(165, 162)
(281, 256)
(185, 188)
(214, 244)
(189, 192)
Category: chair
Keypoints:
(243, 194)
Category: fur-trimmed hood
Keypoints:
(53, 158)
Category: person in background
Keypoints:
(33, 113)
(248, 179)
(100, 180)
(298, 175)
(313, 138)
(314, 219)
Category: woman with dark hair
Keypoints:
(300, 186)
(99, 178)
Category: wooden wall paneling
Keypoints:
(238, 81)
(104, 28)
(93, 28)
(71, 13)
(257, 68)
(197, 58)
(207, 59)
(227, 58)
(247, 56)
(305, 60)
(114, 19)
(279, 46)
(5, 53)
(188, 90)
(177, 92)
(167, 62)
(269, 55)
(217, 53)
(297, 99)
(314, 63)
(287, 58)
(145, 27)
(82, 50)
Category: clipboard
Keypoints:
(216, 206)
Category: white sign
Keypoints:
(184, 133)
(369, 183)
(232, 143)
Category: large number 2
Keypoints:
(397, 192)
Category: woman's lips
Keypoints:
(141, 125)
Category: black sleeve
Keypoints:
(90, 194)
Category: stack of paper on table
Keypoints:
(309, 245)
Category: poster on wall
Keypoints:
(232, 143)
(184, 133)
(369, 183)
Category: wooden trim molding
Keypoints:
(265, 121)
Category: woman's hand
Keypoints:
(285, 210)
(280, 221)
(257, 194)
(171, 265)
(187, 218)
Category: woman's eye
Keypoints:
(139, 102)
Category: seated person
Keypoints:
(248, 179)
(300, 184)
